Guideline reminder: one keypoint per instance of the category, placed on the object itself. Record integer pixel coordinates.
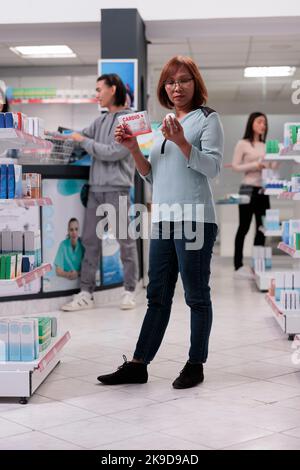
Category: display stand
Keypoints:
(288, 320)
(26, 202)
(16, 139)
(21, 379)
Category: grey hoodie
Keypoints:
(112, 166)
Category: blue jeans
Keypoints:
(167, 258)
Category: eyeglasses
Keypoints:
(182, 82)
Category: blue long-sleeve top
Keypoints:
(181, 183)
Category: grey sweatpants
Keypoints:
(93, 245)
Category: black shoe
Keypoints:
(127, 373)
(191, 375)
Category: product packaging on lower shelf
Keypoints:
(24, 338)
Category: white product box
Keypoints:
(3, 340)
(136, 123)
(288, 280)
(28, 339)
(297, 281)
(14, 336)
(38, 127)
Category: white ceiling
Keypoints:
(221, 48)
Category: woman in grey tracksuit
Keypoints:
(111, 176)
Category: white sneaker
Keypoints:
(81, 301)
(244, 273)
(128, 300)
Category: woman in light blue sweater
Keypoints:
(183, 159)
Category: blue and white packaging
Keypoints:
(10, 182)
(2, 120)
(14, 335)
(14, 181)
(11, 121)
(286, 231)
(272, 219)
(268, 257)
(27, 340)
(279, 284)
(294, 227)
(3, 340)
(3, 181)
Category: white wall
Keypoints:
(41, 11)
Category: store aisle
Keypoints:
(249, 400)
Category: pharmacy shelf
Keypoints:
(26, 202)
(21, 379)
(16, 139)
(275, 157)
(272, 233)
(54, 101)
(26, 278)
(289, 250)
(263, 280)
(289, 196)
(233, 201)
(272, 192)
(288, 320)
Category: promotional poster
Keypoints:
(127, 70)
(62, 229)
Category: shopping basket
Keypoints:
(62, 149)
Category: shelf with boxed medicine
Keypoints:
(26, 278)
(272, 191)
(21, 379)
(284, 298)
(261, 258)
(14, 139)
(18, 131)
(290, 149)
(17, 186)
(271, 222)
(261, 266)
(33, 126)
(24, 338)
(288, 320)
(230, 199)
(271, 233)
(43, 95)
(21, 257)
(282, 188)
(290, 237)
(290, 196)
